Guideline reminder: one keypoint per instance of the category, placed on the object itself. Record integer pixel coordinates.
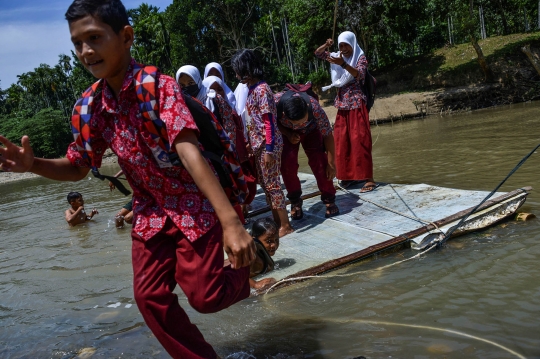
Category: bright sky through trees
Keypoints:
(35, 32)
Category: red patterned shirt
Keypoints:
(351, 95)
(319, 120)
(260, 101)
(158, 193)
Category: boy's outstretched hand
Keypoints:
(238, 245)
(14, 158)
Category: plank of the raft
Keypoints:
(319, 240)
(360, 224)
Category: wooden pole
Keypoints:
(335, 18)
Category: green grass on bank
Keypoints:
(457, 65)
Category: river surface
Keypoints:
(65, 289)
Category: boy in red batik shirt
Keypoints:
(182, 218)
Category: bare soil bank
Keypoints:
(450, 80)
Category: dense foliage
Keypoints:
(284, 33)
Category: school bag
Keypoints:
(369, 88)
(217, 145)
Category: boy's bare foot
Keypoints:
(284, 230)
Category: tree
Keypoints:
(152, 44)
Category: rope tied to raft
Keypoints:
(435, 244)
(415, 218)
(441, 240)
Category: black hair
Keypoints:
(72, 196)
(263, 225)
(246, 64)
(295, 108)
(111, 12)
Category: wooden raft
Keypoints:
(367, 226)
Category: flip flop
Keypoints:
(331, 210)
(348, 183)
(296, 210)
(369, 187)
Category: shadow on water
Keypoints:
(285, 338)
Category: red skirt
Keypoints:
(353, 145)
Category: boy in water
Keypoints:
(76, 214)
(125, 215)
(183, 219)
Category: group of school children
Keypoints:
(183, 220)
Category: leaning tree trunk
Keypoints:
(488, 74)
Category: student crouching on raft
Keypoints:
(302, 120)
(351, 130)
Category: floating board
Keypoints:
(369, 223)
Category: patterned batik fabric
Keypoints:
(269, 178)
(351, 95)
(260, 100)
(319, 120)
(227, 121)
(158, 193)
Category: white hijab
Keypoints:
(228, 92)
(340, 76)
(210, 94)
(241, 93)
(194, 73)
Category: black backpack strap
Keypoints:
(119, 185)
(208, 138)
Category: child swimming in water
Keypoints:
(76, 214)
(265, 233)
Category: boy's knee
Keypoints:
(204, 305)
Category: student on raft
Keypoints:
(183, 219)
(351, 130)
(215, 69)
(306, 124)
(212, 89)
(264, 136)
(75, 214)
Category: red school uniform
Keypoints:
(177, 238)
(312, 133)
(352, 132)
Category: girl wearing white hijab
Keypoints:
(352, 134)
(215, 69)
(189, 78)
(212, 87)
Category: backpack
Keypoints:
(307, 88)
(217, 145)
(369, 88)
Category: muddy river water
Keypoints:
(63, 290)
